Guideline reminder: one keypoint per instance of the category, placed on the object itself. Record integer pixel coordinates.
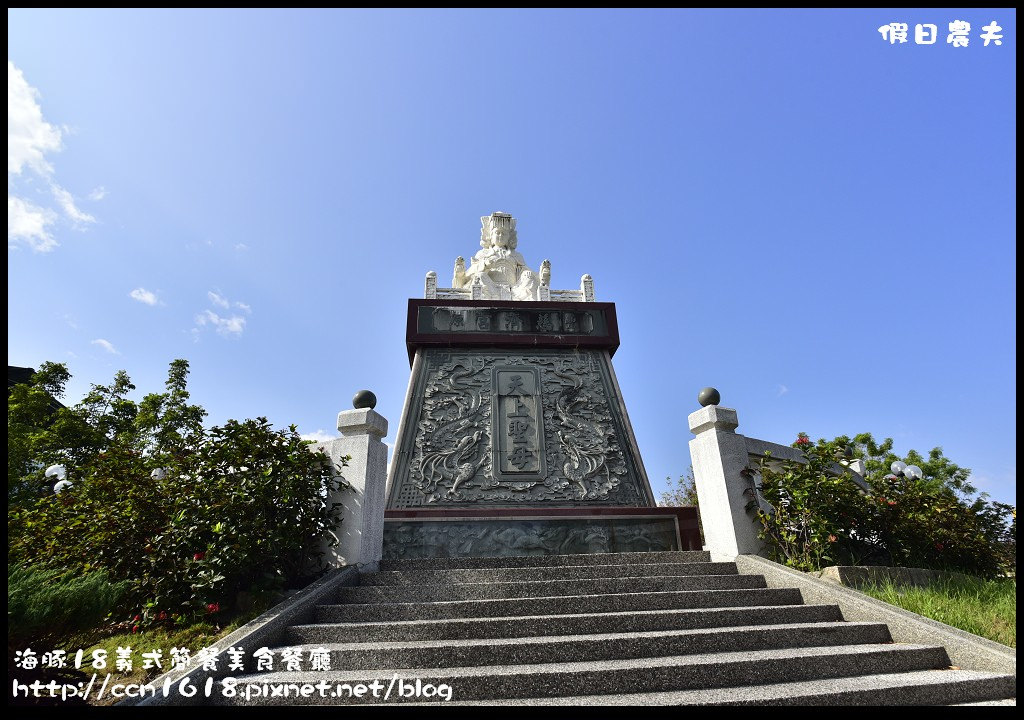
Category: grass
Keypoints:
(984, 607)
(193, 637)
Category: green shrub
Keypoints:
(812, 508)
(48, 604)
(188, 516)
(819, 516)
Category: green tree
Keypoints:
(681, 492)
(32, 410)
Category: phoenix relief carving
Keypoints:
(454, 429)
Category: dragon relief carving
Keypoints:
(586, 437)
(455, 422)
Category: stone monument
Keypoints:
(514, 438)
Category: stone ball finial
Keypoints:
(708, 396)
(364, 399)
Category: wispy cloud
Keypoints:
(67, 203)
(98, 194)
(144, 296)
(241, 246)
(30, 139)
(218, 299)
(781, 390)
(226, 326)
(319, 436)
(105, 344)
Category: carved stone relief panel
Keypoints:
(499, 537)
(514, 428)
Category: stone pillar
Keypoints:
(430, 286)
(361, 534)
(587, 288)
(719, 458)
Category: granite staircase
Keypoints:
(664, 628)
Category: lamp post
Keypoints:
(901, 469)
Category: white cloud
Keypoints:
(29, 224)
(30, 138)
(144, 296)
(98, 194)
(67, 203)
(243, 306)
(241, 246)
(782, 390)
(226, 326)
(106, 346)
(218, 299)
(319, 436)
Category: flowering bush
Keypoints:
(236, 507)
(810, 507)
(819, 516)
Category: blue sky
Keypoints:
(782, 204)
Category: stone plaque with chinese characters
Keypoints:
(517, 451)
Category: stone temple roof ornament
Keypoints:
(499, 272)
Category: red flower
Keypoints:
(892, 502)
(137, 618)
(199, 556)
(213, 607)
(162, 615)
(803, 441)
(135, 629)
(831, 538)
(939, 546)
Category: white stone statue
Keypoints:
(499, 272)
(498, 265)
(527, 288)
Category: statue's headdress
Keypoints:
(498, 219)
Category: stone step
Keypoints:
(551, 680)
(567, 572)
(1005, 701)
(923, 687)
(518, 561)
(541, 625)
(559, 605)
(544, 588)
(606, 646)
